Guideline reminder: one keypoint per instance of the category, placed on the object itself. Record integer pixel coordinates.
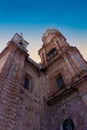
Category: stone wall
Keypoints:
(30, 101)
(71, 108)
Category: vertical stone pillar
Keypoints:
(82, 89)
(77, 64)
(69, 66)
(81, 62)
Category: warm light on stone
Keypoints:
(45, 104)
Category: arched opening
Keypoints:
(20, 43)
(52, 53)
(68, 124)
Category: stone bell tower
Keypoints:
(67, 59)
(53, 43)
(12, 61)
(66, 74)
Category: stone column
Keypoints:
(69, 66)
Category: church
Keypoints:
(51, 95)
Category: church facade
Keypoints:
(51, 95)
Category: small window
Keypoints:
(68, 125)
(27, 83)
(60, 81)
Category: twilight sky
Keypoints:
(33, 17)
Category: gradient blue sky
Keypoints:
(33, 17)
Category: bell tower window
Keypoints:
(21, 43)
(52, 53)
